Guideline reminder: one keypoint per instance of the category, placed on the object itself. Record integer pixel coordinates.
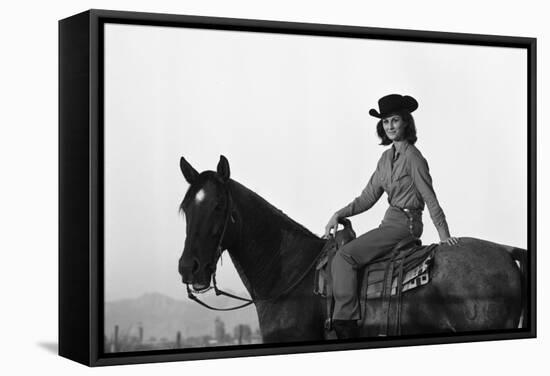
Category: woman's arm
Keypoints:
(422, 180)
(368, 197)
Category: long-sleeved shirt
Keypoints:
(404, 175)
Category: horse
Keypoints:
(475, 285)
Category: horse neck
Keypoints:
(269, 250)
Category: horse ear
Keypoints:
(223, 168)
(188, 171)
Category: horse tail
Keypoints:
(520, 256)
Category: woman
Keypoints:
(402, 172)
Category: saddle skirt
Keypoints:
(417, 262)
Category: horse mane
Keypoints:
(276, 212)
(250, 195)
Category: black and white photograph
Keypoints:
(271, 188)
(277, 187)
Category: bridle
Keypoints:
(219, 250)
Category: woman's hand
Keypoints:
(451, 240)
(332, 226)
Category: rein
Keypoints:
(219, 249)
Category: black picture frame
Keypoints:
(81, 181)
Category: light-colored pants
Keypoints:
(376, 243)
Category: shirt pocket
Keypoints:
(404, 180)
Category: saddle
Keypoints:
(405, 268)
(323, 276)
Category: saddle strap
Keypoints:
(317, 290)
(386, 296)
(363, 296)
(399, 296)
(330, 297)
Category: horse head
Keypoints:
(207, 209)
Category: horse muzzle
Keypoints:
(199, 282)
(196, 272)
(199, 278)
(200, 287)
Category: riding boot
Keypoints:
(346, 329)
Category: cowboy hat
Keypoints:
(393, 103)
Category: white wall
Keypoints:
(29, 184)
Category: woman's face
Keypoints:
(394, 126)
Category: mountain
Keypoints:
(162, 317)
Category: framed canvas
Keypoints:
(237, 187)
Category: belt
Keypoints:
(407, 210)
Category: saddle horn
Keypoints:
(345, 222)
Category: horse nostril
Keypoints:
(196, 266)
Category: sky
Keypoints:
(291, 115)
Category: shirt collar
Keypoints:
(400, 146)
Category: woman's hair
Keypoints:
(410, 129)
